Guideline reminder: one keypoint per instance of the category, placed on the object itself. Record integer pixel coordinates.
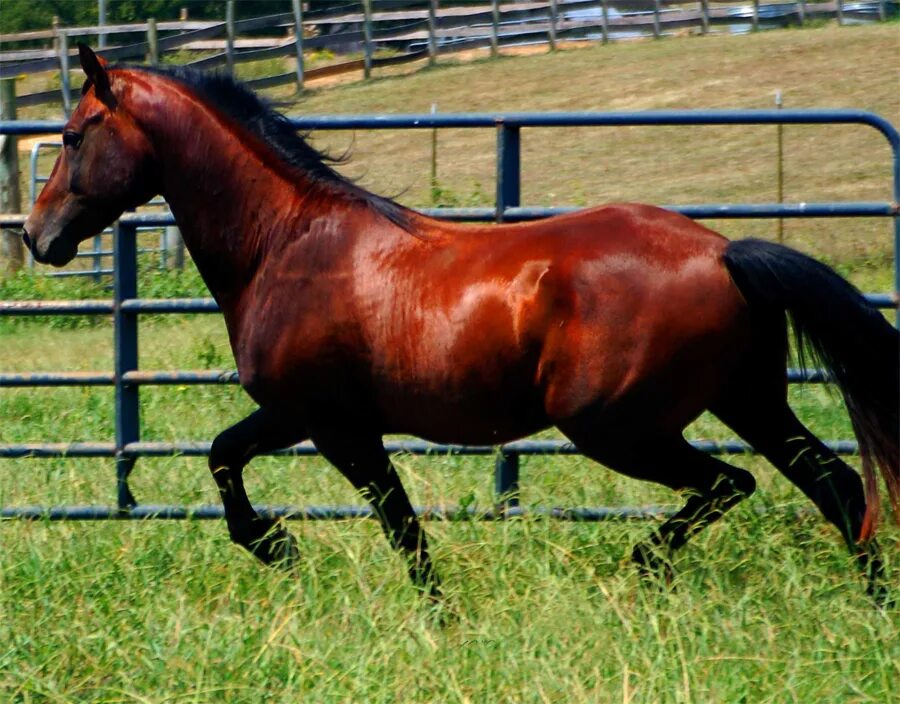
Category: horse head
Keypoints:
(107, 166)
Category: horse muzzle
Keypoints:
(58, 253)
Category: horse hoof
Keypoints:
(277, 548)
(881, 596)
(285, 551)
(653, 569)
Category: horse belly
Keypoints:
(476, 385)
(485, 415)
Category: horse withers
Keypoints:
(351, 316)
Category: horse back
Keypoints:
(535, 322)
(643, 316)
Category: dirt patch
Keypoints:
(25, 144)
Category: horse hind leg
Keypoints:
(713, 486)
(766, 422)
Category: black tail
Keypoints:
(837, 329)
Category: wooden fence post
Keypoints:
(495, 28)
(551, 34)
(229, 36)
(780, 171)
(755, 24)
(432, 32)
(367, 38)
(604, 20)
(840, 12)
(657, 33)
(434, 160)
(298, 40)
(704, 16)
(10, 199)
(152, 42)
(882, 11)
(174, 247)
(801, 12)
(61, 44)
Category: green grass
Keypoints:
(547, 612)
(768, 607)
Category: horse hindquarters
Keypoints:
(664, 366)
(837, 328)
(858, 347)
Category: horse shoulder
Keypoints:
(293, 318)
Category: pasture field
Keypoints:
(768, 607)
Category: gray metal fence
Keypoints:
(126, 307)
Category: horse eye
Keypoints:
(72, 139)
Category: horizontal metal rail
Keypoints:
(200, 306)
(106, 307)
(307, 449)
(648, 118)
(330, 513)
(206, 377)
(134, 378)
(700, 211)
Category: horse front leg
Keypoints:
(261, 431)
(362, 459)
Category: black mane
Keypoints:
(238, 102)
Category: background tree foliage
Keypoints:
(22, 15)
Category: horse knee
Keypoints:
(226, 450)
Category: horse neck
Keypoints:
(229, 200)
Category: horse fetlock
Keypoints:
(876, 582)
(868, 557)
(880, 594)
(426, 581)
(736, 486)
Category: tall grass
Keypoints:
(764, 611)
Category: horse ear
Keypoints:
(94, 68)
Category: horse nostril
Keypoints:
(26, 239)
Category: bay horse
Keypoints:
(351, 316)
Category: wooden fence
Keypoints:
(386, 32)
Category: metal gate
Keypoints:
(126, 308)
